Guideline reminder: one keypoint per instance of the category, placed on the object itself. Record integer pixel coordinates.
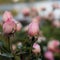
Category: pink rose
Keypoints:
(26, 12)
(9, 27)
(18, 25)
(52, 45)
(56, 24)
(36, 48)
(49, 55)
(7, 16)
(33, 29)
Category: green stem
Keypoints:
(36, 57)
(15, 58)
(9, 43)
(32, 41)
(42, 52)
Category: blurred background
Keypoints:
(15, 6)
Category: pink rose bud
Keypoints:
(26, 12)
(36, 48)
(7, 16)
(19, 26)
(52, 45)
(49, 55)
(33, 29)
(13, 47)
(34, 9)
(9, 27)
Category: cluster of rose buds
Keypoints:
(9, 24)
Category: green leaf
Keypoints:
(7, 55)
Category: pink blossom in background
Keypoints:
(36, 48)
(26, 12)
(34, 9)
(7, 16)
(49, 55)
(56, 24)
(52, 45)
(55, 5)
(34, 12)
(38, 18)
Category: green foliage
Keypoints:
(50, 32)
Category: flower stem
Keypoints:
(9, 43)
(42, 52)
